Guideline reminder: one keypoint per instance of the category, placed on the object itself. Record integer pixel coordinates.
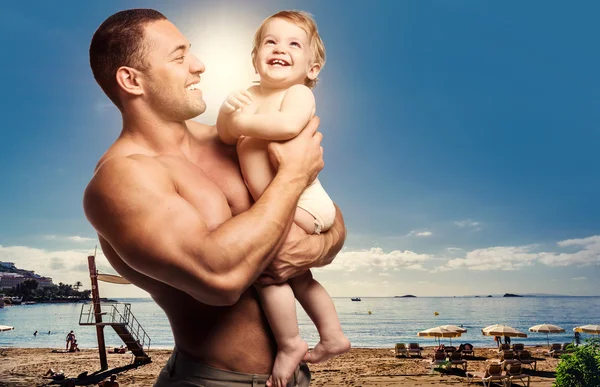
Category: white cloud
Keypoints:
(517, 257)
(468, 223)
(579, 278)
(77, 238)
(376, 259)
(420, 233)
(72, 238)
(66, 266)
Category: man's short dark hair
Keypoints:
(119, 41)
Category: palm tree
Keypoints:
(77, 285)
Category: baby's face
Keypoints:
(284, 57)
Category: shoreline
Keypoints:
(376, 367)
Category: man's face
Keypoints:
(171, 84)
(284, 57)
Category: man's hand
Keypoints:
(236, 100)
(302, 155)
(301, 252)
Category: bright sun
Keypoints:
(224, 46)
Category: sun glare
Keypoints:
(223, 44)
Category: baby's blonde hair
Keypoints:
(305, 21)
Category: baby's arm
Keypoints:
(234, 101)
(297, 108)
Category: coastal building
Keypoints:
(10, 280)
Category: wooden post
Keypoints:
(97, 311)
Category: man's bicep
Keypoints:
(152, 228)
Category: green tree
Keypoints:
(580, 367)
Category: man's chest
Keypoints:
(219, 165)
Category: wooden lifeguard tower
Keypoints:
(115, 314)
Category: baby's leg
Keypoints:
(279, 305)
(318, 305)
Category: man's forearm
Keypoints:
(301, 252)
(249, 240)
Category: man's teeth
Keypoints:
(195, 86)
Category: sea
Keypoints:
(369, 323)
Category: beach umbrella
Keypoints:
(6, 328)
(502, 330)
(439, 332)
(546, 328)
(595, 329)
(454, 328)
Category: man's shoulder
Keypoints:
(116, 175)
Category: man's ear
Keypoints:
(314, 71)
(130, 80)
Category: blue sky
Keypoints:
(460, 137)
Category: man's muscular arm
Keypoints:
(301, 252)
(134, 204)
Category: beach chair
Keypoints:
(504, 347)
(413, 348)
(515, 372)
(525, 358)
(457, 360)
(555, 350)
(439, 358)
(468, 350)
(401, 350)
(493, 373)
(507, 355)
(518, 347)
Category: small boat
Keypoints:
(355, 298)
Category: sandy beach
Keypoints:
(25, 367)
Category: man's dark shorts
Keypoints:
(182, 371)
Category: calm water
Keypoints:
(391, 320)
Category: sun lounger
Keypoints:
(507, 355)
(515, 372)
(401, 350)
(439, 358)
(518, 347)
(504, 347)
(413, 348)
(555, 350)
(457, 360)
(467, 349)
(493, 373)
(525, 358)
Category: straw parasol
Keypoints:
(454, 328)
(502, 330)
(595, 329)
(546, 328)
(6, 328)
(439, 332)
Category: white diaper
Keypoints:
(315, 201)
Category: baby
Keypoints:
(287, 54)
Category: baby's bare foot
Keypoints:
(326, 349)
(287, 360)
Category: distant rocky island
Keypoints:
(511, 295)
(405, 296)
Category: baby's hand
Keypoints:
(236, 100)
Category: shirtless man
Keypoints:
(173, 214)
